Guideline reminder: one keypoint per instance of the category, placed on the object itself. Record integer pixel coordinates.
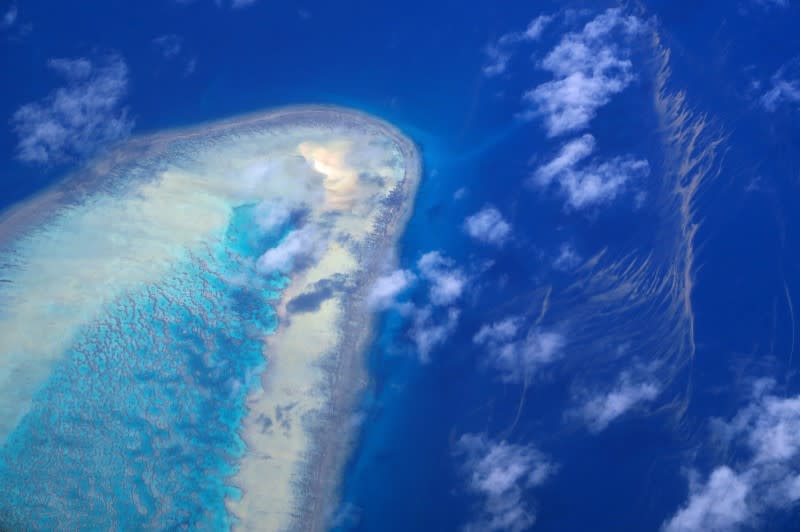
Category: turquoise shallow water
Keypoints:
(139, 420)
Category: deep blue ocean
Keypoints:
(418, 65)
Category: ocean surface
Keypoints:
(419, 66)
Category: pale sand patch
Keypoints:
(294, 388)
(299, 427)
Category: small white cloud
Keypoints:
(523, 358)
(191, 66)
(270, 215)
(347, 517)
(587, 185)
(601, 183)
(294, 251)
(771, 3)
(489, 226)
(497, 59)
(785, 87)
(11, 24)
(629, 392)
(718, 505)
(447, 282)
(499, 53)
(498, 332)
(588, 69)
(171, 48)
(386, 288)
(74, 120)
(168, 45)
(9, 17)
(519, 357)
(429, 331)
(770, 426)
(235, 4)
(767, 434)
(570, 103)
(502, 474)
(567, 258)
(72, 69)
(431, 326)
(536, 27)
(782, 91)
(566, 160)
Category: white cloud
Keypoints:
(171, 48)
(502, 474)
(498, 332)
(489, 226)
(386, 288)
(601, 183)
(270, 215)
(294, 251)
(524, 357)
(588, 69)
(169, 45)
(785, 87)
(587, 185)
(72, 69)
(9, 17)
(74, 120)
(428, 332)
(432, 326)
(567, 258)
(782, 91)
(767, 434)
(768, 3)
(536, 27)
(497, 59)
(566, 160)
(191, 66)
(629, 391)
(235, 4)
(518, 357)
(498, 53)
(720, 504)
(569, 103)
(447, 282)
(770, 426)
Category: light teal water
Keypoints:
(139, 420)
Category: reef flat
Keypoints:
(183, 320)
